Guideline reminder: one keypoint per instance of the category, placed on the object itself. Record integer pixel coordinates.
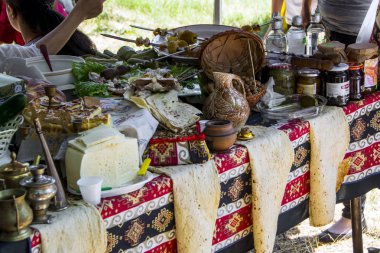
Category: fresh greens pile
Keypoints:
(91, 89)
(82, 69)
(84, 86)
(181, 72)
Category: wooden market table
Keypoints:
(143, 221)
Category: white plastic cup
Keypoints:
(90, 188)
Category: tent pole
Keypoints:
(217, 12)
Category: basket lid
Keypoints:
(228, 52)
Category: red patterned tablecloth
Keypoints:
(143, 221)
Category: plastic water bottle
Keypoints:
(276, 40)
(296, 37)
(316, 34)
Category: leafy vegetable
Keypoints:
(81, 70)
(91, 89)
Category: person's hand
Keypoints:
(87, 9)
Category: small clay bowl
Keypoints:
(220, 135)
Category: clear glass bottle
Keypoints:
(316, 34)
(296, 37)
(276, 40)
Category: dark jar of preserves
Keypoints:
(356, 75)
(338, 85)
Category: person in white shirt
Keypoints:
(54, 40)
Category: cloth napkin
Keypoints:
(131, 120)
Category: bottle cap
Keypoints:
(306, 72)
(280, 65)
(316, 18)
(297, 21)
(355, 66)
(277, 23)
(339, 67)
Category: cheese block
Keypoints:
(103, 152)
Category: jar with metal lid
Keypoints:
(308, 81)
(338, 85)
(366, 53)
(356, 76)
(283, 76)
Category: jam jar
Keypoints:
(366, 53)
(338, 85)
(356, 76)
(308, 81)
(283, 76)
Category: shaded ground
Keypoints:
(303, 238)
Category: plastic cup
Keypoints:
(90, 188)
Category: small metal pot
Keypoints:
(41, 189)
(13, 172)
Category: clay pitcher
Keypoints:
(227, 103)
(16, 215)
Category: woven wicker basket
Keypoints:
(228, 52)
(7, 131)
(255, 98)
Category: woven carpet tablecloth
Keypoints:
(143, 221)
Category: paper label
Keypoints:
(334, 90)
(370, 72)
(306, 89)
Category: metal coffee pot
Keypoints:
(41, 189)
(16, 215)
(13, 172)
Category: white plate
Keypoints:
(134, 185)
(62, 65)
(202, 30)
(186, 92)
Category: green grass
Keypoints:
(119, 14)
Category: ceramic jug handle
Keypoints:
(241, 85)
(17, 214)
(3, 186)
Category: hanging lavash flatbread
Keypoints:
(329, 137)
(271, 157)
(79, 229)
(172, 113)
(196, 199)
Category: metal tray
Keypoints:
(202, 30)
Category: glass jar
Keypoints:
(338, 85)
(366, 53)
(283, 76)
(356, 75)
(308, 81)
